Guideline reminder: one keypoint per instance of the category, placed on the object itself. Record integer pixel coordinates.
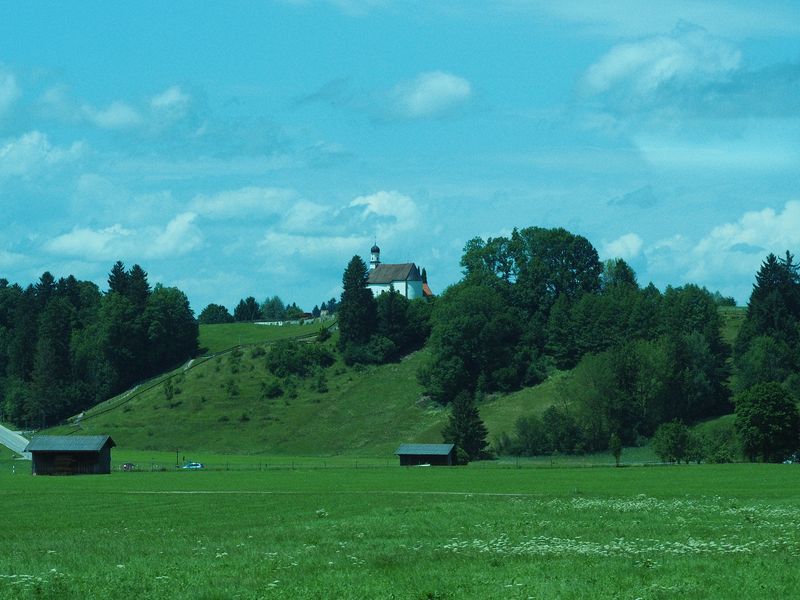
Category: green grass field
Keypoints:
(728, 531)
(216, 338)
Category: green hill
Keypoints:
(219, 402)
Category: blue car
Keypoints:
(192, 466)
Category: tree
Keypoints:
(247, 310)
(214, 314)
(273, 309)
(615, 447)
(294, 312)
(357, 310)
(617, 273)
(465, 427)
(474, 341)
(774, 306)
(118, 279)
(138, 289)
(172, 330)
(672, 442)
(768, 422)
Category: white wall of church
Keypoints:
(409, 289)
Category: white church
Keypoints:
(404, 277)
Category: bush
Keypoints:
(295, 358)
(376, 351)
(271, 389)
(673, 442)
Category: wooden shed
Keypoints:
(70, 454)
(412, 455)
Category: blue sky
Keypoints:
(251, 148)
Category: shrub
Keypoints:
(672, 442)
(271, 389)
(294, 358)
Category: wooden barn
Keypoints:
(412, 455)
(70, 454)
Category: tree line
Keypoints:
(272, 309)
(65, 345)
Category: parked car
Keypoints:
(793, 459)
(193, 466)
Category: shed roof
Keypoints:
(386, 273)
(425, 449)
(69, 443)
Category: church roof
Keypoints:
(386, 273)
(375, 249)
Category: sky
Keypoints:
(252, 148)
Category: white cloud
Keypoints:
(631, 18)
(94, 244)
(9, 260)
(430, 94)
(638, 69)
(170, 105)
(9, 90)
(33, 152)
(402, 212)
(179, 236)
(284, 245)
(763, 145)
(244, 203)
(169, 99)
(304, 216)
(738, 248)
(117, 115)
(626, 247)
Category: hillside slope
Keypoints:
(220, 405)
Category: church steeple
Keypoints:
(374, 256)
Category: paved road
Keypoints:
(14, 441)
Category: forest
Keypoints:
(65, 345)
(540, 302)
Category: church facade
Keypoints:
(403, 277)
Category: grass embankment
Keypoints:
(216, 338)
(728, 531)
(219, 406)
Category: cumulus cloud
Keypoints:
(117, 115)
(179, 236)
(9, 90)
(243, 203)
(169, 99)
(742, 245)
(430, 94)
(400, 210)
(637, 70)
(626, 247)
(31, 153)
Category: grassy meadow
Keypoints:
(216, 338)
(641, 532)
